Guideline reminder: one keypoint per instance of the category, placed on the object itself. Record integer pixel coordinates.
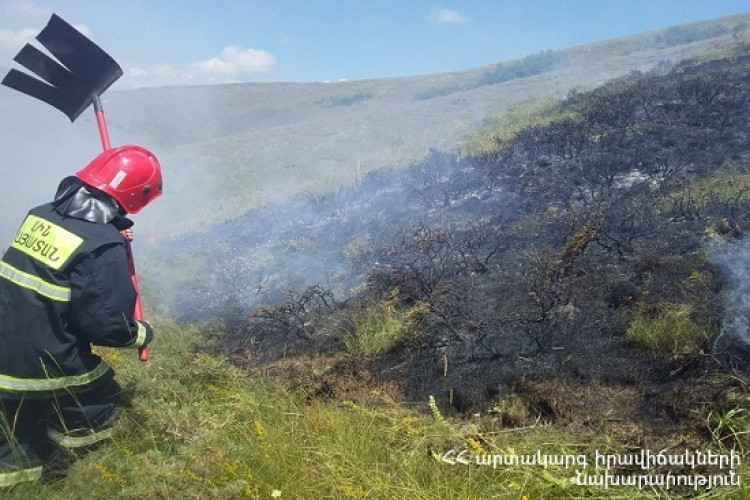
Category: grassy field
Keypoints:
(198, 428)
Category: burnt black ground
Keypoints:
(526, 265)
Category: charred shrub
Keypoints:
(299, 312)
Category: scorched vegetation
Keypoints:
(575, 244)
(570, 288)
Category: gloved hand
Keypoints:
(144, 336)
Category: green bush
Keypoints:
(347, 100)
(682, 35)
(534, 64)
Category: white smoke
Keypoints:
(734, 258)
(39, 148)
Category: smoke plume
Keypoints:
(733, 341)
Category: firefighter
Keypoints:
(65, 285)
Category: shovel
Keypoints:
(71, 87)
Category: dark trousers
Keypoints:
(32, 431)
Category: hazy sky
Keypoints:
(167, 42)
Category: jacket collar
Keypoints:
(77, 199)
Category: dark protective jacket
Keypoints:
(65, 284)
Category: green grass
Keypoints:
(668, 329)
(725, 187)
(501, 130)
(378, 327)
(729, 423)
(198, 428)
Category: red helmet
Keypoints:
(129, 174)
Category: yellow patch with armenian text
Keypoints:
(48, 243)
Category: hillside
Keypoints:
(248, 144)
(569, 283)
(197, 428)
(531, 317)
(229, 148)
(603, 172)
(579, 268)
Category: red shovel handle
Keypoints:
(143, 353)
(101, 123)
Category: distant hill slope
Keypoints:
(250, 143)
(229, 148)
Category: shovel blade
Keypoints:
(86, 70)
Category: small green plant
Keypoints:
(512, 411)
(378, 327)
(729, 427)
(668, 329)
(729, 422)
(6, 434)
(437, 414)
